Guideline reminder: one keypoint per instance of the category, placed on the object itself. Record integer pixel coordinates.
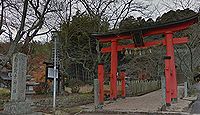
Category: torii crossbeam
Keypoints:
(137, 35)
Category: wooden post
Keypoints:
(172, 69)
(173, 75)
(123, 84)
(168, 68)
(101, 82)
(113, 72)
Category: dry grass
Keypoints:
(4, 92)
(83, 89)
(4, 97)
(89, 88)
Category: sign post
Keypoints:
(55, 74)
(185, 89)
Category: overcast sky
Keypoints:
(156, 8)
(161, 6)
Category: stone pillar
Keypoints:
(163, 87)
(96, 93)
(18, 105)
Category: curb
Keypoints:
(133, 112)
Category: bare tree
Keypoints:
(2, 15)
(188, 55)
(187, 58)
(23, 20)
(115, 10)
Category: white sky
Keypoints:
(162, 6)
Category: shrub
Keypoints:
(42, 88)
(4, 92)
(75, 85)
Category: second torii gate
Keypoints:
(137, 35)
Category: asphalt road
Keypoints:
(131, 114)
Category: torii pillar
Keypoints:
(101, 82)
(113, 71)
(137, 35)
(170, 70)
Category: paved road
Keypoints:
(150, 102)
(100, 114)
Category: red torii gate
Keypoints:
(137, 35)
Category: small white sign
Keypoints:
(51, 73)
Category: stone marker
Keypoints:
(18, 77)
(18, 105)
